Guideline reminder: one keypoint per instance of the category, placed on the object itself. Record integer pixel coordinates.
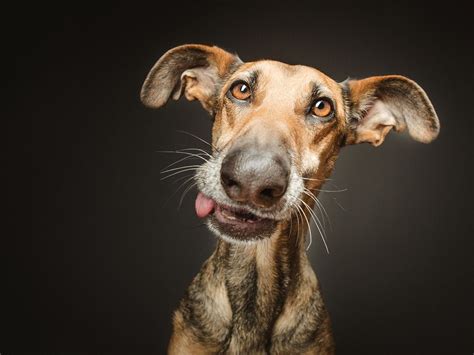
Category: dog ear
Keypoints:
(377, 104)
(193, 69)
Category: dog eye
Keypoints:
(241, 91)
(321, 108)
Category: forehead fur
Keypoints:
(283, 83)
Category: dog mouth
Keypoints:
(234, 223)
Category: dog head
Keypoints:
(278, 129)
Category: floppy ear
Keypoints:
(378, 104)
(193, 69)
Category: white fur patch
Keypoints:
(310, 161)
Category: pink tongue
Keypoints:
(204, 205)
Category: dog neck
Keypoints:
(260, 297)
(267, 285)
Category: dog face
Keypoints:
(277, 130)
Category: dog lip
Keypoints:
(241, 209)
(227, 214)
(240, 224)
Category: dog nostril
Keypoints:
(272, 192)
(228, 181)
(267, 193)
(231, 183)
(232, 187)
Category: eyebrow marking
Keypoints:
(317, 92)
(253, 79)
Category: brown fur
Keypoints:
(263, 297)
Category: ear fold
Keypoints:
(193, 69)
(378, 104)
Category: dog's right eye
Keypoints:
(240, 90)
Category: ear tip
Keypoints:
(144, 100)
(428, 136)
(427, 139)
(150, 102)
(145, 97)
(150, 97)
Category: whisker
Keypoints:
(198, 150)
(313, 215)
(341, 190)
(292, 205)
(179, 168)
(291, 225)
(302, 214)
(200, 156)
(309, 227)
(178, 151)
(313, 179)
(308, 193)
(189, 178)
(320, 206)
(181, 151)
(340, 206)
(185, 192)
(178, 172)
(199, 138)
(319, 202)
(317, 223)
(176, 162)
(298, 222)
(182, 178)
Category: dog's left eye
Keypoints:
(241, 91)
(321, 108)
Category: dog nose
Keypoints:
(256, 177)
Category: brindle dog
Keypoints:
(277, 132)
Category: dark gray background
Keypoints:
(109, 255)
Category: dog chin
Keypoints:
(241, 235)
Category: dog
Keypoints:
(277, 131)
